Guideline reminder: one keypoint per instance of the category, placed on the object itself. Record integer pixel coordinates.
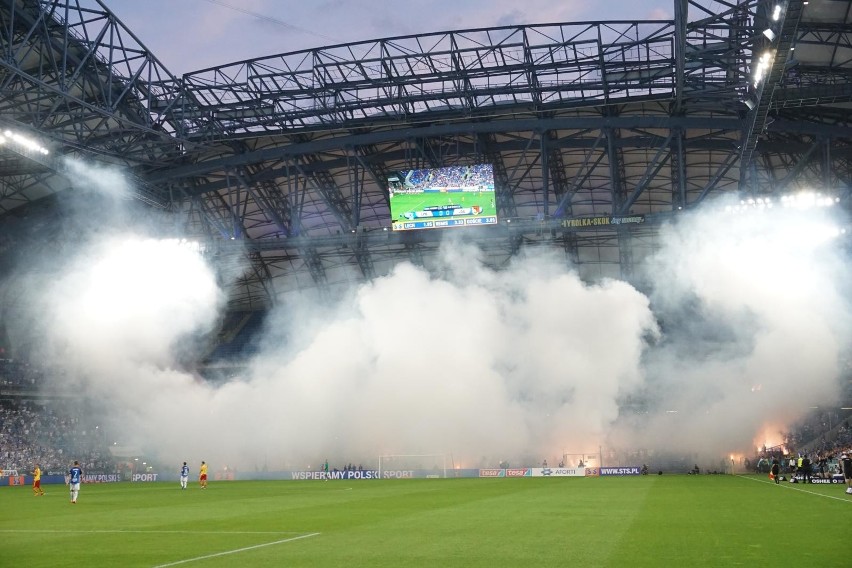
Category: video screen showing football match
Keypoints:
(437, 198)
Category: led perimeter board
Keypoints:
(457, 196)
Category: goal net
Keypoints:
(413, 465)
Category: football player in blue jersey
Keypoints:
(75, 477)
(184, 475)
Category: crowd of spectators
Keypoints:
(19, 374)
(475, 177)
(40, 432)
(813, 448)
(51, 433)
(823, 436)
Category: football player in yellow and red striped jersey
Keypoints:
(37, 490)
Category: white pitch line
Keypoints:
(205, 557)
(789, 486)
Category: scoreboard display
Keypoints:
(436, 198)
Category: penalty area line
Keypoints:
(788, 486)
(235, 551)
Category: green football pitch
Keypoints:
(668, 520)
(402, 202)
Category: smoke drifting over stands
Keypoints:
(739, 328)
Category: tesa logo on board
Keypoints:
(490, 472)
(517, 472)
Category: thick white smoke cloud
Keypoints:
(501, 366)
(129, 299)
(755, 310)
(742, 326)
(486, 367)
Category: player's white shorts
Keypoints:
(75, 487)
(184, 478)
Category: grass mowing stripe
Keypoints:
(716, 520)
(671, 520)
(227, 552)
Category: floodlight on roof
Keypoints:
(762, 67)
(808, 200)
(776, 13)
(22, 142)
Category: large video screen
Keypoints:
(458, 196)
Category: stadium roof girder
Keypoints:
(563, 208)
(525, 166)
(779, 48)
(259, 194)
(379, 238)
(356, 105)
(616, 174)
(661, 157)
(436, 130)
(556, 167)
(811, 128)
(678, 171)
(811, 96)
(458, 45)
(681, 8)
(488, 147)
(91, 70)
(326, 187)
(606, 58)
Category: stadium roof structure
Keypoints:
(285, 158)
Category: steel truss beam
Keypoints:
(289, 154)
(779, 36)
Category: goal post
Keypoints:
(416, 465)
(585, 459)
